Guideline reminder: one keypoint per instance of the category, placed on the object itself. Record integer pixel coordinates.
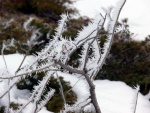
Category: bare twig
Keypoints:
(21, 63)
(61, 89)
(2, 52)
(73, 70)
(73, 86)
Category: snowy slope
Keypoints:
(113, 97)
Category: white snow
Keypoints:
(136, 10)
(13, 61)
(148, 95)
(113, 96)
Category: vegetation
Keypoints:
(50, 9)
(56, 103)
(15, 31)
(129, 60)
(2, 109)
(13, 106)
(15, 12)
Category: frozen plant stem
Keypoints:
(8, 81)
(137, 88)
(93, 94)
(90, 83)
(136, 102)
(61, 89)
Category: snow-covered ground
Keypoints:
(113, 97)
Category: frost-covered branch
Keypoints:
(37, 93)
(46, 68)
(57, 53)
(137, 89)
(73, 70)
(111, 29)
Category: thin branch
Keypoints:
(87, 53)
(83, 101)
(40, 95)
(2, 52)
(87, 36)
(137, 88)
(73, 85)
(111, 34)
(25, 56)
(36, 105)
(8, 90)
(30, 72)
(86, 105)
(61, 89)
(73, 70)
(136, 102)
